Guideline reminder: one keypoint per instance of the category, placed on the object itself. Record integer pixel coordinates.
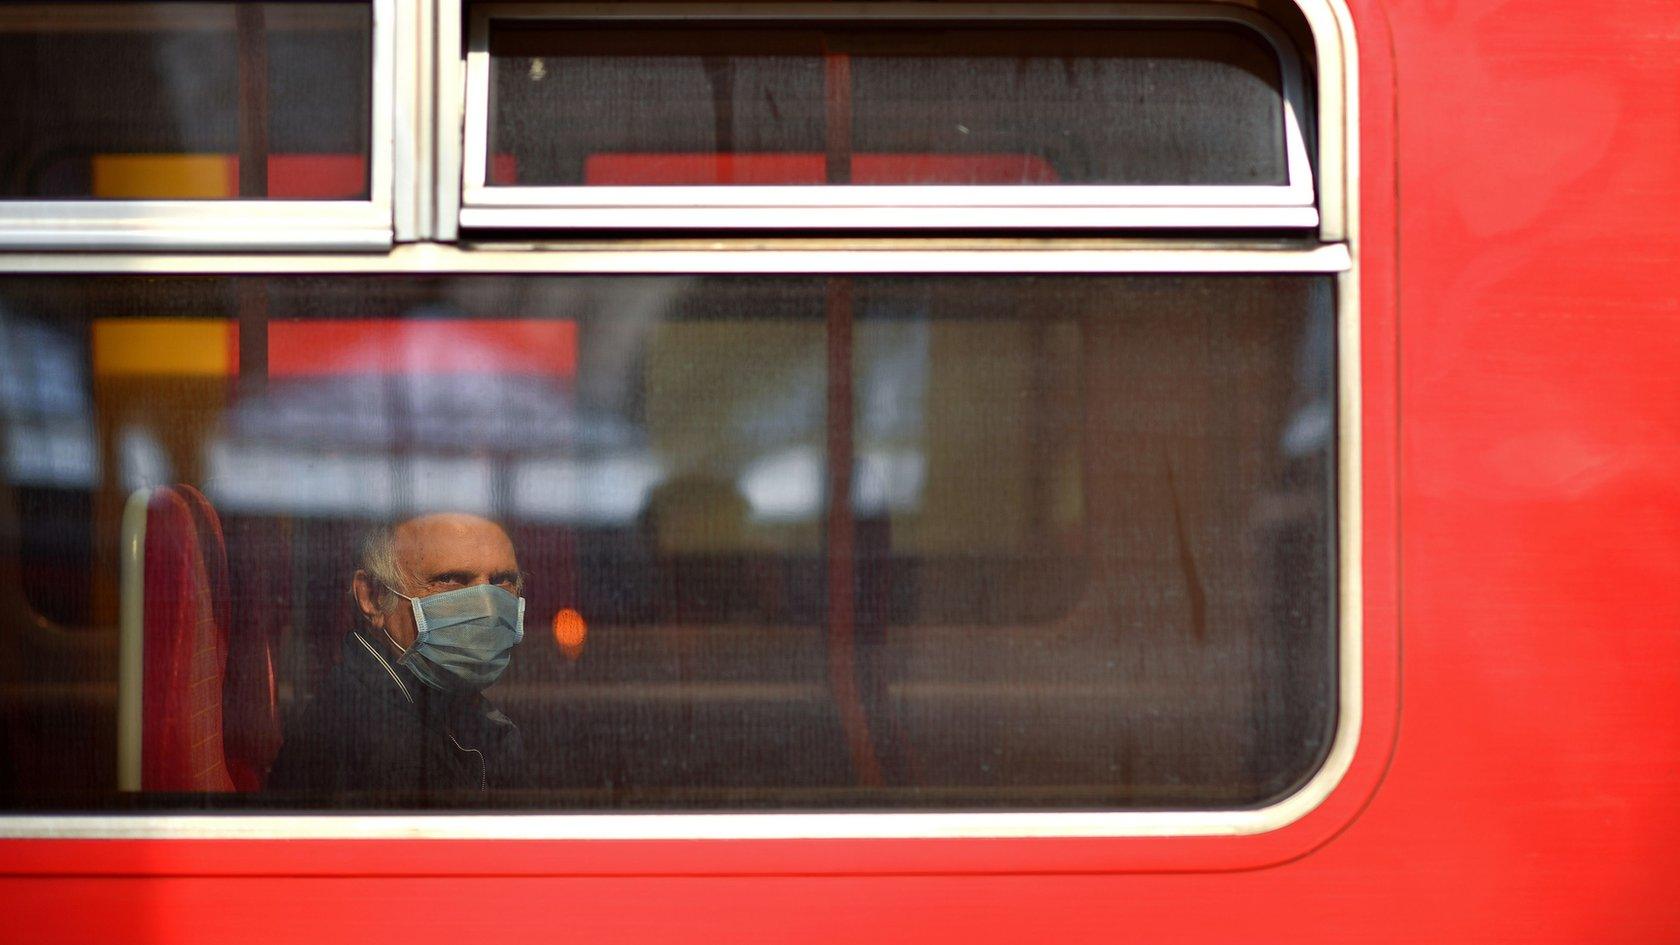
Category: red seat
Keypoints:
(185, 645)
(209, 707)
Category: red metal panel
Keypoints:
(1522, 443)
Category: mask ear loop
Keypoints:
(419, 620)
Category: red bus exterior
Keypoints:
(1515, 778)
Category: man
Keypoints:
(402, 712)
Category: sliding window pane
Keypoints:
(185, 100)
(905, 104)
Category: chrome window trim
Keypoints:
(142, 225)
(320, 225)
(449, 83)
(1009, 257)
(910, 217)
(1337, 143)
(746, 259)
(1337, 90)
(411, 123)
(1290, 205)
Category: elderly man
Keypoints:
(402, 712)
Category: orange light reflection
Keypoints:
(570, 632)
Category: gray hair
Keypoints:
(377, 556)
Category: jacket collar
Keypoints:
(372, 666)
(407, 686)
(376, 670)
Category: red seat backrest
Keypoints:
(185, 645)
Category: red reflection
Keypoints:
(315, 347)
(314, 176)
(812, 168)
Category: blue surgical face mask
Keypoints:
(465, 637)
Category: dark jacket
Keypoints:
(374, 733)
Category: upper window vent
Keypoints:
(890, 116)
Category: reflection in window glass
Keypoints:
(944, 104)
(783, 542)
(191, 101)
(50, 460)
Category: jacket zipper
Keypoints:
(483, 776)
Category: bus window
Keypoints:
(954, 105)
(804, 542)
(186, 101)
(924, 116)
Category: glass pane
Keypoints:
(783, 542)
(186, 101)
(1101, 104)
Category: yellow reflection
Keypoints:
(194, 347)
(164, 176)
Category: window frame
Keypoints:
(1366, 669)
(238, 224)
(1291, 205)
(843, 258)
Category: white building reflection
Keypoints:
(44, 403)
(532, 449)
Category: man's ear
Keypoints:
(367, 592)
